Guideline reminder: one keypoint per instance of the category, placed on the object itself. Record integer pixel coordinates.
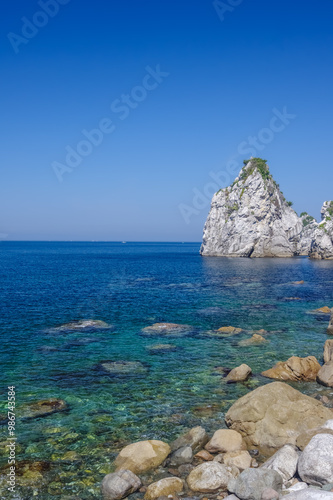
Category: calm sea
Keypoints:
(132, 286)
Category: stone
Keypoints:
(315, 465)
(239, 374)
(196, 438)
(274, 415)
(231, 497)
(330, 325)
(209, 477)
(204, 455)
(43, 408)
(284, 461)
(185, 469)
(142, 456)
(328, 351)
(297, 487)
(240, 459)
(322, 241)
(165, 329)
(83, 325)
(164, 487)
(305, 437)
(251, 218)
(294, 368)
(325, 374)
(119, 485)
(225, 440)
(301, 282)
(181, 456)
(230, 330)
(251, 483)
(122, 368)
(256, 339)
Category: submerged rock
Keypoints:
(294, 368)
(83, 325)
(43, 408)
(251, 218)
(224, 331)
(274, 415)
(119, 485)
(122, 368)
(256, 339)
(196, 438)
(161, 348)
(167, 329)
(142, 456)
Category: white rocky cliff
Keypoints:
(322, 242)
(252, 218)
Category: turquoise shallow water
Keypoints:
(132, 286)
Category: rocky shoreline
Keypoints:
(293, 432)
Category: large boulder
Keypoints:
(196, 438)
(294, 368)
(142, 456)
(239, 374)
(284, 461)
(325, 374)
(328, 351)
(315, 465)
(251, 483)
(274, 415)
(209, 477)
(119, 485)
(164, 488)
(225, 440)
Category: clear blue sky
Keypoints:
(225, 77)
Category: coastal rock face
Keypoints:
(294, 368)
(251, 218)
(142, 456)
(119, 485)
(315, 465)
(274, 415)
(322, 242)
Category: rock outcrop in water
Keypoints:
(251, 218)
(322, 242)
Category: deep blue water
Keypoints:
(132, 286)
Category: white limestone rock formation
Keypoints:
(322, 242)
(252, 218)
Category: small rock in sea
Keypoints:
(164, 487)
(323, 310)
(325, 374)
(225, 440)
(256, 339)
(284, 461)
(47, 348)
(122, 368)
(83, 325)
(161, 348)
(275, 414)
(142, 456)
(196, 438)
(119, 485)
(209, 477)
(294, 368)
(301, 282)
(251, 483)
(240, 459)
(181, 456)
(239, 374)
(225, 331)
(204, 455)
(167, 329)
(43, 408)
(315, 465)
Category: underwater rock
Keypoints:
(122, 368)
(256, 339)
(43, 408)
(82, 325)
(161, 348)
(167, 329)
